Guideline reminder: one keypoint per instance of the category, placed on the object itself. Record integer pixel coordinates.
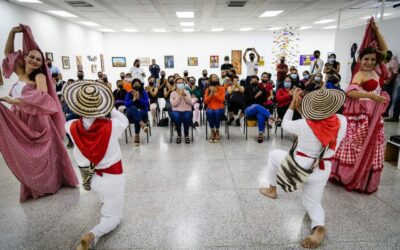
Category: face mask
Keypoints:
(49, 65)
(214, 83)
(137, 65)
(226, 61)
(264, 81)
(306, 77)
(80, 77)
(151, 83)
(192, 82)
(294, 76)
(254, 84)
(105, 80)
(162, 76)
(171, 81)
(180, 85)
(204, 74)
(129, 79)
(317, 78)
(316, 56)
(331, 60)
(120, 86)
(287, 85)
(252, 58)
(282, 61)
(185, 74)
(122, 77)
(137, 88)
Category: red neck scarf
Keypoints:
(93, 143)
(326, 130)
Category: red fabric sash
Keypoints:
(116, 168)
(93, 143)
(321, 163)
(326, 130)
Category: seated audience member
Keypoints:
(254, 97)
(306, 77)
(314, 83)
(224, 76)
(106, 82)
(214, 98)
(270, 81)
(226, 83)
(269, 90)
(137, 106)
(202, 82)
(169, 88)
(127, 84)
(235, 102)
(122, 76)
(197, 99)
(161, 84)
(294, 77)
(332, 69)
(120, 96)
(283, 98)
(152, 92)
(181, 102)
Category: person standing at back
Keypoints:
(136, 71)
(317, 64)
(281, 71)
(227, 65)
(252, 65)
(154, 69)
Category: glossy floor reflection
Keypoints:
(202, 196)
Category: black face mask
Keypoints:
(204, 74)
(105, 80)
(264, 81)
(316, 56)
(49, 65)
(171, 81)
(185, 74)
(151, 83)
(254, 84)
(282, 61)
(120, 86)
(162, 76)
(214, 83)
(122, 77)
(137, 88)
(80, 77)
(252, 58)
(230, 75)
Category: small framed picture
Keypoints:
(94, 68)
(214, 61)
(79, 62)
(49, 55)
(102, 62)
(118, 61)
(193, 61)
(144, 61)
(169, 62)
(65, 62)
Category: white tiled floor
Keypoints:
(202, 196)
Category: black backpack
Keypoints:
(163, 122)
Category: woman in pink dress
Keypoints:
(358, 162)
(32, 132)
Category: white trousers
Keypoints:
(313, 188)
(111, 191)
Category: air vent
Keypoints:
(236, 3)
(79, 4)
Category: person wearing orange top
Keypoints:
(214, 99)
(127, 84)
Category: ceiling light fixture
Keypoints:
(159, 30)
(324, 21)
(90, 23)
(329, 27)
(187, 24)
(185, 14)
(107, 30)
(271, 13)
(305, 27)
(29, 1)
(217, 29)
(61, 13)
(130, 30)
(246, 29)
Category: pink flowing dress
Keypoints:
(31, 135)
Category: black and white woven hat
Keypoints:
(89, 99)
(322, 103)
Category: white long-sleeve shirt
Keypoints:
(113, 153)
(315, 69)
(308, 143)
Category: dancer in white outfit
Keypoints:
(312, 135)
(96, 140)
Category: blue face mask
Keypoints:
(306, 77)
(287, 85)
(293, 76)
(317, 78)
(180, 85)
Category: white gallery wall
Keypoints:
(345, 38)
(52, 35)
(203, 45)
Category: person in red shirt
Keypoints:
(281, 71)
(283, 98)
(269, 89)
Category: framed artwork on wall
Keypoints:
(144, 61)
(236, 60)
(94, 68)
(262, 61)
(102, 62)
(214, 61)
(169, 62)
(193, 61)
(305, 60)
(79, 63)
(49, 55)
(118, 61)
(92, 58)
(65, 62)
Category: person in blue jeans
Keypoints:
(181, 102)
(137, 107)
(254, 96)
